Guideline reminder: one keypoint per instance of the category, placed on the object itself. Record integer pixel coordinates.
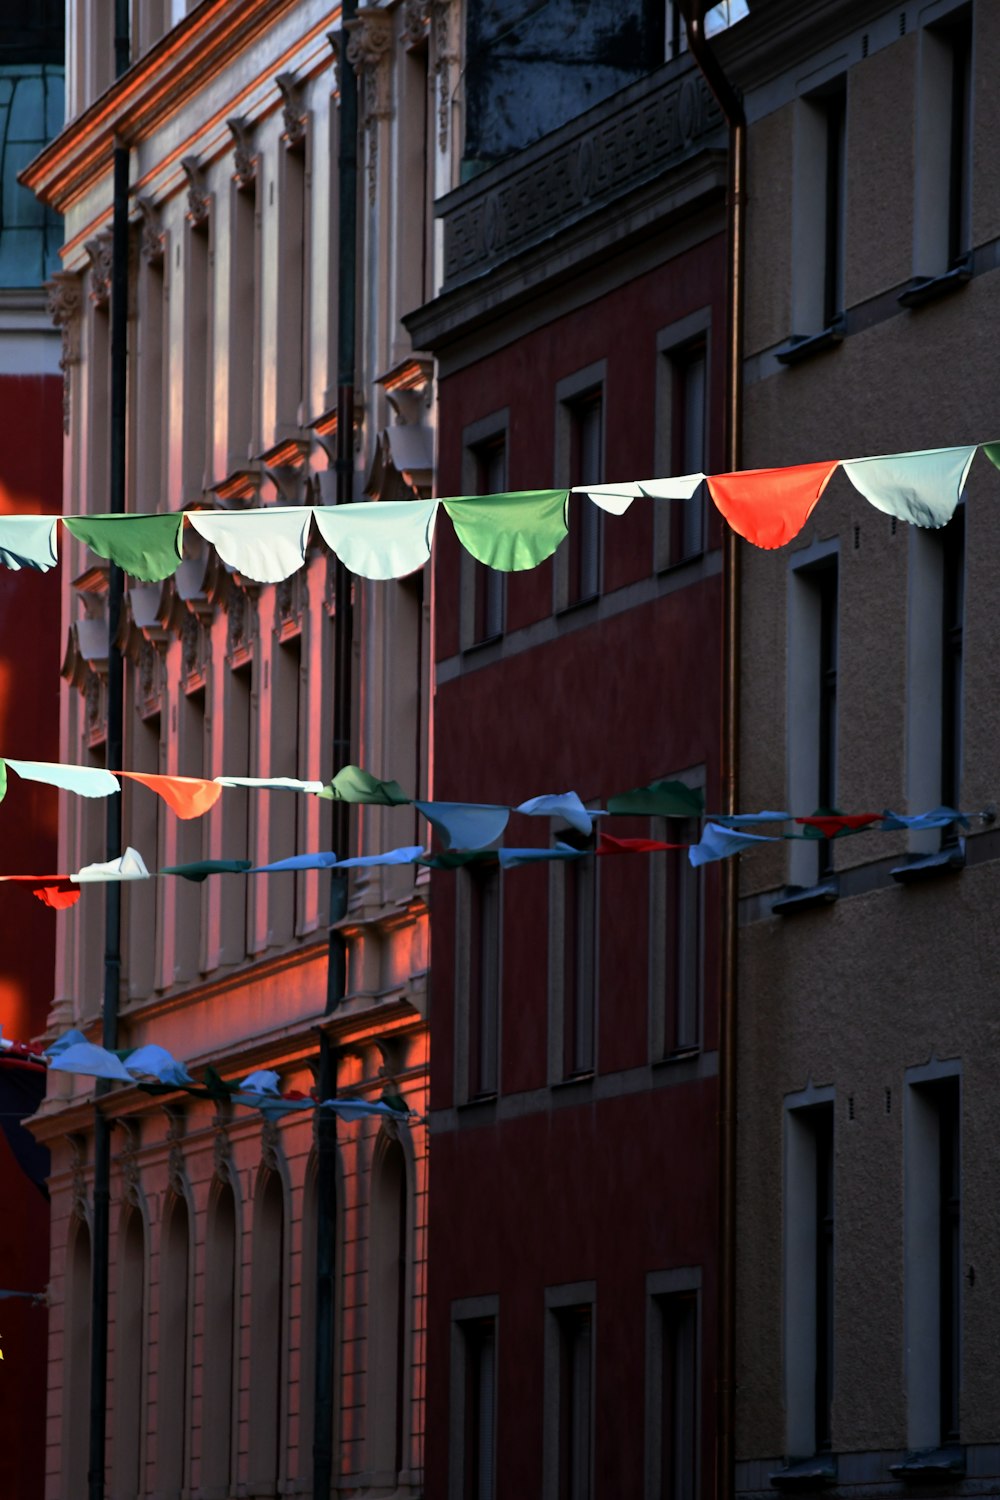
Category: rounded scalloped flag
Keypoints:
(510, 532)
(770, 506)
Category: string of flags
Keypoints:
(508, 532)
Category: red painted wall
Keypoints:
(30, 480)
(600, 1191)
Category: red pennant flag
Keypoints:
(187, 796)
(607, 845)
(770, 506)
(830, 824)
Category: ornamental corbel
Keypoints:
(199, 198)
(445, 56)
(100, 253)
(152, 238)
(65, 298)
(293, 115)
(244, 157)
(369, 53)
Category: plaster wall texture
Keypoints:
(849, 996)
(233, 379)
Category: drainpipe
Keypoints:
(114, 759)
(343, 645)
(731, 105)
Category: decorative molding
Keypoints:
(199, 198)
(129, 1163)
(416, 21)
(153, 239)
(612, 151)
(446, 53)
(244, 157)
(293, 115)
(64, 302)
(77, 1146)
(270, 1146)
(409, 388)
(222, 1150)
(101, 256)
(369, 53)
(286, 464)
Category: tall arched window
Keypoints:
(387, 1319)
(174, 1363)
(129, 1364)
(267, 1339)
(76, 1362)
(307, 1326)
(219, 1345)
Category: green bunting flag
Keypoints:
(200, 869)
(661, 799)
(145, 547)
(510, 532)
(352, 784)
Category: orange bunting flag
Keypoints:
(187, 796)
(57, 891)
(770, 506)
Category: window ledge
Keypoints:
(805, 897)
(574, 604)
(479, 1101)
(806, 1473)
(931, 1465)
(945, 861)
(487, 640)
(574, 1080)
(804, 346)
(929, 288)
(679, 1055)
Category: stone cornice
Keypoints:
(153, 90)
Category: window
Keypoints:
(944, 147)
(580, 929)
(488, 584)
(484, 900)
(717, 18)
(933, 1254)
(244, 327)
(219, 1351)
(682, 434)
(818, 210)
(173, 1359)
(149, 408)
(76, 1373)
(267, 1319)
(676, 932)
(672, 1405)
(196, 362)
(130, 1361)
(586, 421)
(387, 1318)
(812, 707)
(689, 390)
(809, 1271)
(934, 705)
(568, 1453)
(473, 1449)
(288, 369)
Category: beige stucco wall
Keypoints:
(853, 994)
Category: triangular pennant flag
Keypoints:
(661, 799)
(465, 825)
(187, 796)
(718, 843)
(85, 781)
(146, 547)
(128, 866)
(831, 825)
(565, 805)
(922, 487)
(510, 532)
(607, 845)
(200, 869)
(770, 506)
(352, 784)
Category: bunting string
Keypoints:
(509, 532)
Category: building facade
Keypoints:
(31, 108)
(231, 115)
(867, 1225)
(579, 336)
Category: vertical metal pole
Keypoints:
(326, 1187)
(115, 725)
(732, 107)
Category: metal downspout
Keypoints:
(731, 105)
(114, 760)
(343, 646)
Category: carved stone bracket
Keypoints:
(446, 54)
(286, 464)
(293, 115)
(270, 1146)
(152, 243)
(369, 53)
(222, 1150)
(129, 1161)
(244, 158)
(416, 20)
(77, 1146)
(199, 198)
(64, 309)
(101, 257)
